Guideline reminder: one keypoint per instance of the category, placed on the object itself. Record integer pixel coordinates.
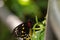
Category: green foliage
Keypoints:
(39, 34)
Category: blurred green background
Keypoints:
(5, 33)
